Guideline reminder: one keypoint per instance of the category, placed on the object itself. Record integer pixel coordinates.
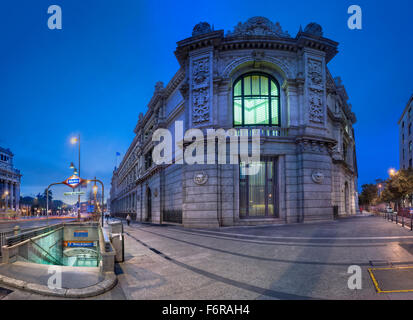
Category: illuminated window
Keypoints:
(256, 101)
(258, 192)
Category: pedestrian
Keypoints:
(128, 218)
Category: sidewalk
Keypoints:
(76, 282)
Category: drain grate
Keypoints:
(4, 292)
(392, 280)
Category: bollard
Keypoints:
(16, 230)
(397, 216)
(411, 223)
(403, 220)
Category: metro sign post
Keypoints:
(73, 181)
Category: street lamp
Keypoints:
(75, 140)
(392, 172)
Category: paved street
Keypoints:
(271, 262)
(6, 226)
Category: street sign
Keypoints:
(79, 244)
(73, 181)
(74, 193)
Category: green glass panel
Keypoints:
(274, 112)
(274, 89)
(247, 86)
(237, 89)
(237, 111)
(256, 111)
(256, 194)
(243, 191)
(255, 85)
(264, 86)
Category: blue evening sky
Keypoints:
(95, 75)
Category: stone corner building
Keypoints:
(256, 76)
(405, 136)
(9, 182)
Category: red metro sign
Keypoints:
(73, 181)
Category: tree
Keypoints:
(368, 194)
(398, 187)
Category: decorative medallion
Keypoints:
(200, 178)
(317, 176)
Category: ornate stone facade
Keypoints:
(309, 157)
(9, 182)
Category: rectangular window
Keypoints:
(275, 111)
(237, 111)
(148, 160)
(256, 111)
(257, 192)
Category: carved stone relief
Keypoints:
(200, 90)
(315, 90)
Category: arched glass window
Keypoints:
(256, 101)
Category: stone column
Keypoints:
(9, 195)
(13, 195)
(17, 196)
(3, 201)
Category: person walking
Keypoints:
(128, 218)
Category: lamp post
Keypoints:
(75, 140)
(103, 195)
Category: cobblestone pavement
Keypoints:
(271, 262)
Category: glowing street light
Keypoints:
(392, 172)
(75, 140)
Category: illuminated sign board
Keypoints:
(73, 181)
(81, 234)
(79, 244)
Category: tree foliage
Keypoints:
(368, 194)
(398, 187)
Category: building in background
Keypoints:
(254, 77)
(406, 136)
(9, 182)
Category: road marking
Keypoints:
(302, 238)
(376, 284)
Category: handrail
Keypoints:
(30, 234)
(53, 258)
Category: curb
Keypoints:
(107, 284)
